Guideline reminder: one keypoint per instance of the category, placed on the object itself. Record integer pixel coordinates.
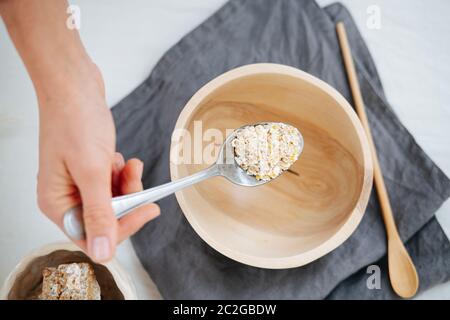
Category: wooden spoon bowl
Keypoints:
(303, 214)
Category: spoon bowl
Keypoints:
(402, 272)
(228, 167)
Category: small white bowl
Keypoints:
(25, 278)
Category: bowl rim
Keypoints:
(354, 217)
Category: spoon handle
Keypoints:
(122, 205)
(402, 272)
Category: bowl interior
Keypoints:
(296, 212)
(28, 284)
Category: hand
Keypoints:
(77, 163)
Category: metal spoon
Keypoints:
(225, 166)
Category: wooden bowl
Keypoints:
(300, 216)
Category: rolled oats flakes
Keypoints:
(266, 150)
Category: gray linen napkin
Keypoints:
(301, 34)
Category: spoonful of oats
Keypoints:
(251, 155)
(266, 150)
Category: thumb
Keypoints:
(94, 185)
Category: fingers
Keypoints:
(130, 178)
(102, 229)
(118, 166)
(132, 222)
(93, 178)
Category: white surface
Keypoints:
(126, 40)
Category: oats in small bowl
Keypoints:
(61, 271)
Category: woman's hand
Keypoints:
(77, 163)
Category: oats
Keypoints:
(266, 150)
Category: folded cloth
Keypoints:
(300, 34)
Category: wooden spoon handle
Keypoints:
(386, 209)
(402, 272)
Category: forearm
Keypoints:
(52, 53)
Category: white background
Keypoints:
(126, 39)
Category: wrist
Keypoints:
(53, 54)
(69, 81)
(57, 74)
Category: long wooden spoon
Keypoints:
(402, 273)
